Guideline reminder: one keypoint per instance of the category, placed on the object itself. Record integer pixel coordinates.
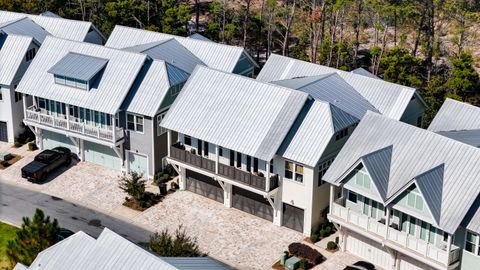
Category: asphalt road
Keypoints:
(17, 202)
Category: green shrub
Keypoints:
(314, 238)
(5, 164)
(32, 146)
(17, 144)
(331, 245)
(174, 185)
(323, 233)
(302, 264)
(328, 230)
(177, 245)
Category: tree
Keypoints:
(178, 245)
(399, 66)
(464, 78)
(34, 236)
(134, 185)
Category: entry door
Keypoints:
(3, 132)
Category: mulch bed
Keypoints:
(14, 159)
(150, 200)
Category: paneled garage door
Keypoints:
(252, 203)
(368, 250)
(3, 132)
(102, 155)
(204, 185)
(53, 139)
(407, 263)
(292, 217)
(138, 163)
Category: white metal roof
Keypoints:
(235, 112)
(105, 96)
(364, 72)
(388, 98)
(214, 55)
(170, 51)
(59, 27)
(312, 132)
(12, 53)
(151, 88)
(333, 89)
(415, 153)
(471, 137)
(456, 115)
(26, 27)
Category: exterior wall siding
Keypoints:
(244, 67)
(141, 143)
(414, 110)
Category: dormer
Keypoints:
(78, 70)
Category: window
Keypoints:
(431, 234)
(135, 122)
(255, 165)
(352, 197)
(362, 178)
(288, 169)
(220, 151)
(299, 173)
(160, 129)
(413, 222)
(322, 169)
(117, 120)
(414, 198)
(30, 54)
(271, 166)
(419, 121)
(249, 163)
(199, 147)
(80, 84)
(239, 160)
(341, 134)
(471, 242)
(232, 158)
(423, 230)
(42, 104)
(187, 140)
(205, 148)
(366, 204)
(18, 96)
(176, 89)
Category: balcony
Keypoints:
(391, 237)
(38, 118)
(230, 172)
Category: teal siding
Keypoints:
(243, 66)
(361, 181)
(414, 110)
(402, 205)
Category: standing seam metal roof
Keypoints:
(388, 98)
(416, 152)
(105, 96)
(455, 116)
(78, 66)
(26, 27)
(235, 112)
(12, 53)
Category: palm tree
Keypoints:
(34, 236)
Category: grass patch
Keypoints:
(7, 232)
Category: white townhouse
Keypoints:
(214, 55)
(21, 35)
(406, 198)
(262, 147)
(393, 100)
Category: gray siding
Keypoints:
(141, 143)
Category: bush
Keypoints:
(328, 230)
(177, 245)
(32, 146)
(5, 164)
(314, 238)
(17, 144)
(304, 251)
(331, 245)
(323, 233)
(170, 170)
(133, 185)
(174, 185)
(303, 264)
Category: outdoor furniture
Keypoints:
(292, 263)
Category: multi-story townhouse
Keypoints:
(21, 35)
(402, 103)
(406, 198)
(262, 147)
(102, 103)
(214, 55)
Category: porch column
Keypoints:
(387, 222)
(114, 128)
(267, 184)
(81, 150)
(344, 235)
(67, 113)
(182, 179)
(332, 196)
(449, 248)
(217, 157)
(169, 141)
(227, 195)
(24, 100)
(39, 138)
(278, 211)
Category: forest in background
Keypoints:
(432, 45)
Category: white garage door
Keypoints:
(368, 250)
(102, 155)
(138, 163)
(407, 263)
(52, 139)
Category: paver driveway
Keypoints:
(229, 235)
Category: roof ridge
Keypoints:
(47, 17)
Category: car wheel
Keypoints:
(44, 177)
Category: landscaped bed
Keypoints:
(10, 162)
(7, 232)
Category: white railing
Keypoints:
(81, 128)
(394, 237)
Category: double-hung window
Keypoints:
(289, 169)
(187, 140)
(414, 199)
(160, 129)
(135, 122)
(293, 171)
(471, 243)
(299, 173)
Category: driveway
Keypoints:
(229, 235)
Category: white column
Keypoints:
(182, 179)
(216, 159)
(449, 248)
(227, 195)
(267, 185)
(278, 214)
(332, 196)
(24, 100)
(39, 138)
(67, 113)
(169, 142)
(387, 222)
(82, 150)
(114, 128)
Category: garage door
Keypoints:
(204, 185)
(368, 250)
(407, 263)
(292, 217)
(251, 203)
(102, 155)
(3, 132)
(138, 163)
(52, 139)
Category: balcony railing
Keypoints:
(393, 238)
(105, 134)
(230, 172)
